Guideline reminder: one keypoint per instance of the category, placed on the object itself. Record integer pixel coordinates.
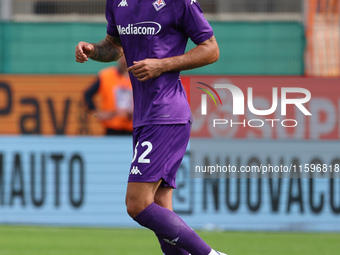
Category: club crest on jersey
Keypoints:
(159, 4)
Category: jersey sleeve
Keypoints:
(111, 24)
(191, 21)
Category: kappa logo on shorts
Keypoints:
(159, 4)
(193, 1)
(135, 171)
(123, 3)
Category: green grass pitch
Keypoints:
(15, 240)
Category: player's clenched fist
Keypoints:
(83, 51)
(147, 68)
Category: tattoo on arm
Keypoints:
(107, 50)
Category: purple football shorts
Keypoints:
(158, 152)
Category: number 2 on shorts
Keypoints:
(142, 158)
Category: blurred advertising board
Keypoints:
(81, 181)
(46, 105)
(290, 125)
(53, 104)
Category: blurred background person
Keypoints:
(114, 89)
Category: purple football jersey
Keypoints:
(157, 29)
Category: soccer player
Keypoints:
(154, 34)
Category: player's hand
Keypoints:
(147, 69)
(83, 51)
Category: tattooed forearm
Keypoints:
(107, 50)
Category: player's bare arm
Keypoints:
(203, 54)
(107, 50)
